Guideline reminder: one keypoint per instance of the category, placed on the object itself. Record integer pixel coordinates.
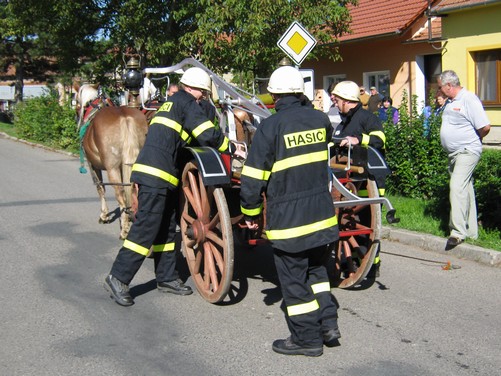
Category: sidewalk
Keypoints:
(437, 244)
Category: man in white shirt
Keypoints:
(464, 125)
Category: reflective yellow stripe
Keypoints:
(224, 145)
(377, 260)
(296, 232)
(321, 287)
(363, 193)
(251, 212)
(136, 247)
(299, 160)
(256, 173)
(300, 309)
(174, 125)
(156, 172)
(365, 140)
(202, 127)
(169, 247)
(379, 134)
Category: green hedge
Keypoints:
(42, 119)
(419, 167)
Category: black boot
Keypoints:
(119, 291)
(175, 287)
(287, 347)
(331, 337)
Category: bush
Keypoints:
(419, 168)
(42, 119)
(418, 162)
(488, 189)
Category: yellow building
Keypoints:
(472, 48)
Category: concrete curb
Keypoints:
(437, 244)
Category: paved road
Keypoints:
(417, 319)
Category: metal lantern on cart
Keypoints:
(133, 80)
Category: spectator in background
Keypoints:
(387, 111)
(374, 100)
(464, 125)
(364, 98)
(333, 112)
(441, 101)
(173, 88)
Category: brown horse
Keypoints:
(112, 142)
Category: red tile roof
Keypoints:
(448, 5)
(423, 34)
(371, 18)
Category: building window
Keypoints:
(381, 80)
(333, 80)
(488, 71)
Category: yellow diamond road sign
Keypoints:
(297, 42)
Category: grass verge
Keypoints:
(413, 217)
(9, 129)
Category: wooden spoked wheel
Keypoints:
(207, 235)
(359, 235)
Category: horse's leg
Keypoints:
(115, 177)
(97, 178)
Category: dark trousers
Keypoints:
(310, 307)
(155, 225)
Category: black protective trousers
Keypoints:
(155, 225)
(299, 274)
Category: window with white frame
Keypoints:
(488, 75)
(380, 79)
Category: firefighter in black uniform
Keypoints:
(288, 162)
(178, 122)
(360, 127)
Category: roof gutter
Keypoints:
(455, 8)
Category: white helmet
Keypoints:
(286, 79)
(197, 78)
(347, 90)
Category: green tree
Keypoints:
(242, 35)
(96, 36)
(17, 40)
